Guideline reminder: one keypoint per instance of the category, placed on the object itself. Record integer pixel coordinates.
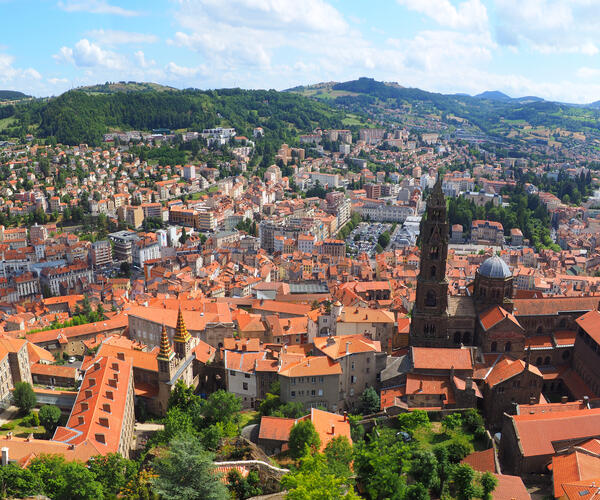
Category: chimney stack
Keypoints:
(564, 399)
(347, 348)
(332, 429)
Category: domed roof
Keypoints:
(494, 267)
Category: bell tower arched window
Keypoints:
(430, 299)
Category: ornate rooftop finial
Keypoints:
(166, 352)
(181, 333)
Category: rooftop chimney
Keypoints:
(332, 429)
(347, 347)
(564, 399)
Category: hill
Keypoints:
(114, 87)
(495, 95)
(493, 113)
(12, 95)
(84, 116)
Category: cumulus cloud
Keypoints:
(9, 74)
(549, 26)
(116, 37)
(96, 7)
(89, 54)
(468, 15)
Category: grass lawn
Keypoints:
(6, 122)
(429, 437)
(248, 418)
(20, 429)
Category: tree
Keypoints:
(488, 484)
(417, 492)
(413, 420)
(23, 397)
(221, 406)
(313, 481)
(186, 471)
(112, 471)
(424, 468)
(64, 480)
(452, 421)
(463, 476)
(182, 396)
(183, 238)
(16, 482)
(384, 239)
(369, 401)
(303, 435)
(243, 487)
(338, 454)
(49, 417)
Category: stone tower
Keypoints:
(429, 323)
(167, 366)
(182, 339)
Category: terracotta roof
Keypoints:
(590, 323)
(554, 305)
(106, 375)
(430, 384)
(538, 432)
(246, 344)
(343, 345)
(510, 488)
(329, 425)
(582, 490)
(481, 461)
(276, 428)
(388, 396)
(312, 366)
(506, 369)
(118, 322)
(539, 342)
(242, 361)
(364, 315)
(572, 467)
(495, 315)
(434, 358)
(54, 370)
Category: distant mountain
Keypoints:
(494, 95)
(12, 95)
(126, 87)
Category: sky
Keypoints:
(548, 48)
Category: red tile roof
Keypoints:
(482, 461)
(572, 467)
(434, 358)
(276, 428)
(339, 346)
(510, 488)
(506, 369)
(538, 432)
(590, 323)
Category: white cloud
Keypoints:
(89, 54)
(549, 26)
(10, 75)
(468, 15)
(96, 7)
(116, 37)
(180, 72)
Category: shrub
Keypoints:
(458, 449)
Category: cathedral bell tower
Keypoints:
(429, 323)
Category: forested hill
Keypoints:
(80, 117)
(491, 114)
(12, 95)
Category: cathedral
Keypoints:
(174, 364)
(488, 317)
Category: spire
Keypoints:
(181, 333)
(165, 353)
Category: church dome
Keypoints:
(494, 267)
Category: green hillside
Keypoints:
(79, 116)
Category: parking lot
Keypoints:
(364, 237)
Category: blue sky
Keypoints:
(549, 48)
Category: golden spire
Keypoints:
(166, 352)
(181, 333)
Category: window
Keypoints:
(245, 386)
(494, 346)
(352, 392)
(431, 299)
(367, 370)
(320, 392)
(507, 347)
(312, 393)
(246, 375)
(352, 366)
(293, 394)
(352, 379)
(314, 380)
(321, 379)
(232, 373)
(432, 272)
(293, 379)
